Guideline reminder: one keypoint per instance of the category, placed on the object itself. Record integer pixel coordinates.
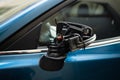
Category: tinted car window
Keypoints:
(94, 14)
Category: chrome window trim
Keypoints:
(24, 51)
(105, 42)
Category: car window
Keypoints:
(94, 14)
(9, 8)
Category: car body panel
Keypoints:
(98, 63)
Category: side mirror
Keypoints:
(70, 37)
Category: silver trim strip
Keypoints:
(105, 42)
(24, 51)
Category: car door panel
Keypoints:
(97, 63)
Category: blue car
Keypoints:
(59, 40)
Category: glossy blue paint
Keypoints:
(100, 63)
(22, 60)
(96, 53)
(13, 24)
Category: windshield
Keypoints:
(9, 8)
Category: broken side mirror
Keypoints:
(70, 37)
